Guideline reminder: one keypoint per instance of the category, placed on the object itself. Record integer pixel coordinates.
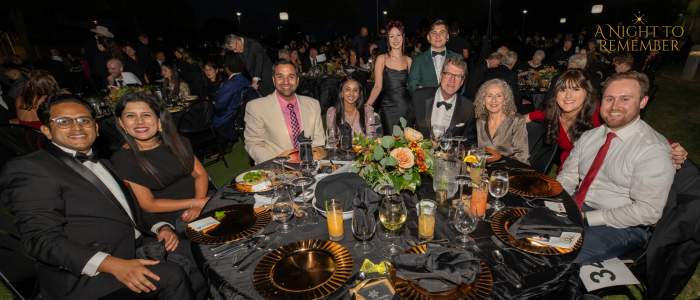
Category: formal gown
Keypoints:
(395, 98)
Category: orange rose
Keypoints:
(404, 156)
(412, 134)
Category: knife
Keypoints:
(507, 273)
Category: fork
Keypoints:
(257, 234)
(503, 246)
(261, 246)
(272, 247)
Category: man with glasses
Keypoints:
(443, 107)
(255, 60)
(273, 123)
(505, 72)
(425, 70)
(80, 221)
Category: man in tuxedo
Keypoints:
(273, 123)
(230, 95)
(142, 51)
(474, 79)
(426, 67)
(308, 62)
(577, 61)
(155, 67)
(80, 221)
(443, 105)
(255, 61)
(505, 72)
(563, 54)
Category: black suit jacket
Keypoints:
(474, 78)
(143, 54)
(420, 111)
(65, 215)
(258, 64)
(510, 76)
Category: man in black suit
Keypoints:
(563, 54)
(80, 221)
(480, 67)
(256, 62)
(505, 72)
(576, 61)
(443, 105)
(154, 69)
(309, 61)
(142, 51)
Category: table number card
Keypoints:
(203, 223)
(611, 272)
(375, 290)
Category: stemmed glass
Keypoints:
(331, 139)
(363, 226)
(283, 210)
(436, 132)
(446, 141)
(465, 223)
(462, 180)
(392, 213)
(459, 139)
(498, 187)
(281, 160)
(307, 218)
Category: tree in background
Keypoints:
(324, 13)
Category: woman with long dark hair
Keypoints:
(190, 71)
(108, 49)
(212, 79)
(391, 77)
(39, 85)
(133, 65)
(159, 165)
(350, 108)
(171, 79)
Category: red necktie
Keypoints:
(593, 171)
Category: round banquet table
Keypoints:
(557, 280)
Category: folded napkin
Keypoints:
(156, 251)
(440, 269)
(541, 221)
(364, 204)
(342, 186)
(306, 152)
(346, 136)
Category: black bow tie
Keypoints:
(82, 157)
(435, 53)
(447, 105)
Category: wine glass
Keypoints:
(465, 223)
(374, 133)
(307, 217)
(462, 180)
(331, 140)
(446, 141)
(392, 213)
(498, 187)
(281, 160)
(307, 168)
(436, 132)
(363, 226)
(283, 210)
(459, 139)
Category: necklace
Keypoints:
(350, 117)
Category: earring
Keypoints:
(160, 128)
(124, 128)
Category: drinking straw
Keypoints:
(423, 209)
(327, 214)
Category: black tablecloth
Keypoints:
(557, 280)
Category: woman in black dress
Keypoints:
(212, 81)
(132, 64)
(157, 163)
(190, 70)
(391, 77)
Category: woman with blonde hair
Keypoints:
(498, 126)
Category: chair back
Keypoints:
(541, 154)
(17, 267)
(304, 87)
(197, 117)
(249, 94)
(109, 139)
(18, 140)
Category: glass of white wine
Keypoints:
(498, 187)
(392, 213)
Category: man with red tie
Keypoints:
(620, 172)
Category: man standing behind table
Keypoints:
(427, 66)
(443, 105)
(80, 221)
(361, 43)
(457, 44)
(272, 123)
(142, 51)
(255, 61)
(620, 172)
(477, 72)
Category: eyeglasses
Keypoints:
(67, 122)
(449, 75)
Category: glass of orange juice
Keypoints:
(426, 220)
(334, 216)
(479, 193)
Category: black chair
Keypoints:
(304, 88)
(652, 92)
(195, 124)
(109, 139)
(18, 140)
(249, 94)
(541, 154)
(17, 267)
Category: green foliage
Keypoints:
(403, 122)
(387, 142)
(397, 130)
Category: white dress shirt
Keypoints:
(101, 172)
(127, 78)
(440, 115)
(632, 185)
(438, 60)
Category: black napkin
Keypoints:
(156, 251)
(306, 152)
(365, 203)
(346, 136)
(342, 186)
(440, 269)
(541, 221)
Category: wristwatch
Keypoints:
(165, 225)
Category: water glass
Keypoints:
(306, 216)
(445, 169)
(465, 223)
(334, 216)
(307, 169)
(498, 187)
(363, 226)
(331, 139)
(283, 210)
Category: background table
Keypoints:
(557, 280)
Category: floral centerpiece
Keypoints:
(397, 160)
(116, 92)
(546, 73)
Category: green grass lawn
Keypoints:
(674, 113)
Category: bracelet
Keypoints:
(192, 203)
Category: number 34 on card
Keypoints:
(606, 273)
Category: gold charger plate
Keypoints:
(481, 289)
(240, 221)
(503, 220)
(319, 153)
(303, 270)
(176, 110)
(533, 184)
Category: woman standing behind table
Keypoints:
(212, 81)
(391, 77)
(498, 126)
(172, 80)
(350, 108)
(158, 164)
(189, 70)
(39, 85)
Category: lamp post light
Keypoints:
(562, 20)
(523, 29)
(385, 17)
(240, 30)
(284, 17)
(595, 10)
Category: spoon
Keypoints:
(412, 242)
(254, 242)
(510, 275)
